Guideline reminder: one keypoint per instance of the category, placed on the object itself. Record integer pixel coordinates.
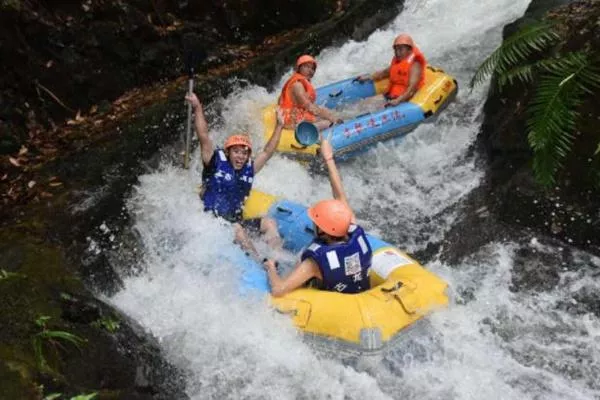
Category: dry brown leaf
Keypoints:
(54, 184)
(4, 177)
(31, 184)
(23, 150)
(49, 63)
(14, 161)
(46, 194)
(53, 178)
(93, 109)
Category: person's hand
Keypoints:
(326, 150)
(392, 103)
(269, 264)
(363, 78)
(280, 118)
(193, 100)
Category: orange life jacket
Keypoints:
(295, 113)
(400, 71)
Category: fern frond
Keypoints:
(522, 74)
(552, 121)
(515, 50)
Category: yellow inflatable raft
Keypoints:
(402, 291)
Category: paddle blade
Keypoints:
(193, 53)
(306, 133)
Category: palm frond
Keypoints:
(515, 50)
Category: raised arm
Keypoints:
(337, 189)
(301, 97)
(267, 152)
(207, 147)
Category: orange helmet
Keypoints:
(238, 140)
(305, 59)
(332, 216)
(404, 39)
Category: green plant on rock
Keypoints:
(108, 323)
(562, 82)
(6, 275)
(10, 4)
(57, 396)
(52, 338)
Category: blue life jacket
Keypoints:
(226, 189)
(344, 266)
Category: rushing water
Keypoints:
(490, 343)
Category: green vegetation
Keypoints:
(57, 396)
(5, 275)
(53, 338)
(111, 325)
(562, 81)
(10, 4)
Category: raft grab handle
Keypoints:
(284, 210)
(336, 94)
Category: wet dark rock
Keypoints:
(535, 270)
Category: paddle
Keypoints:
(194, 54)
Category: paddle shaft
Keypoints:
(188, 136)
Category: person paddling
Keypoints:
(228, 176)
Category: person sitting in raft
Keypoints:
(228, 175)
(298, 96)
(339, 256)
(406, 72)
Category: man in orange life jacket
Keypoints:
(228, 175)
(406, 72)
(298, 96)
(339, 256)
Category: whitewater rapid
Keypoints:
(490, 343)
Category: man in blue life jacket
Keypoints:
(228, 175)
(339, 256)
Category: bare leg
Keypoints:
(268, 227)
(242, 238)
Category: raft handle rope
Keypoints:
(396, 286)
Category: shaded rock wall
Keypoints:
(510, 204)
(60, 57)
